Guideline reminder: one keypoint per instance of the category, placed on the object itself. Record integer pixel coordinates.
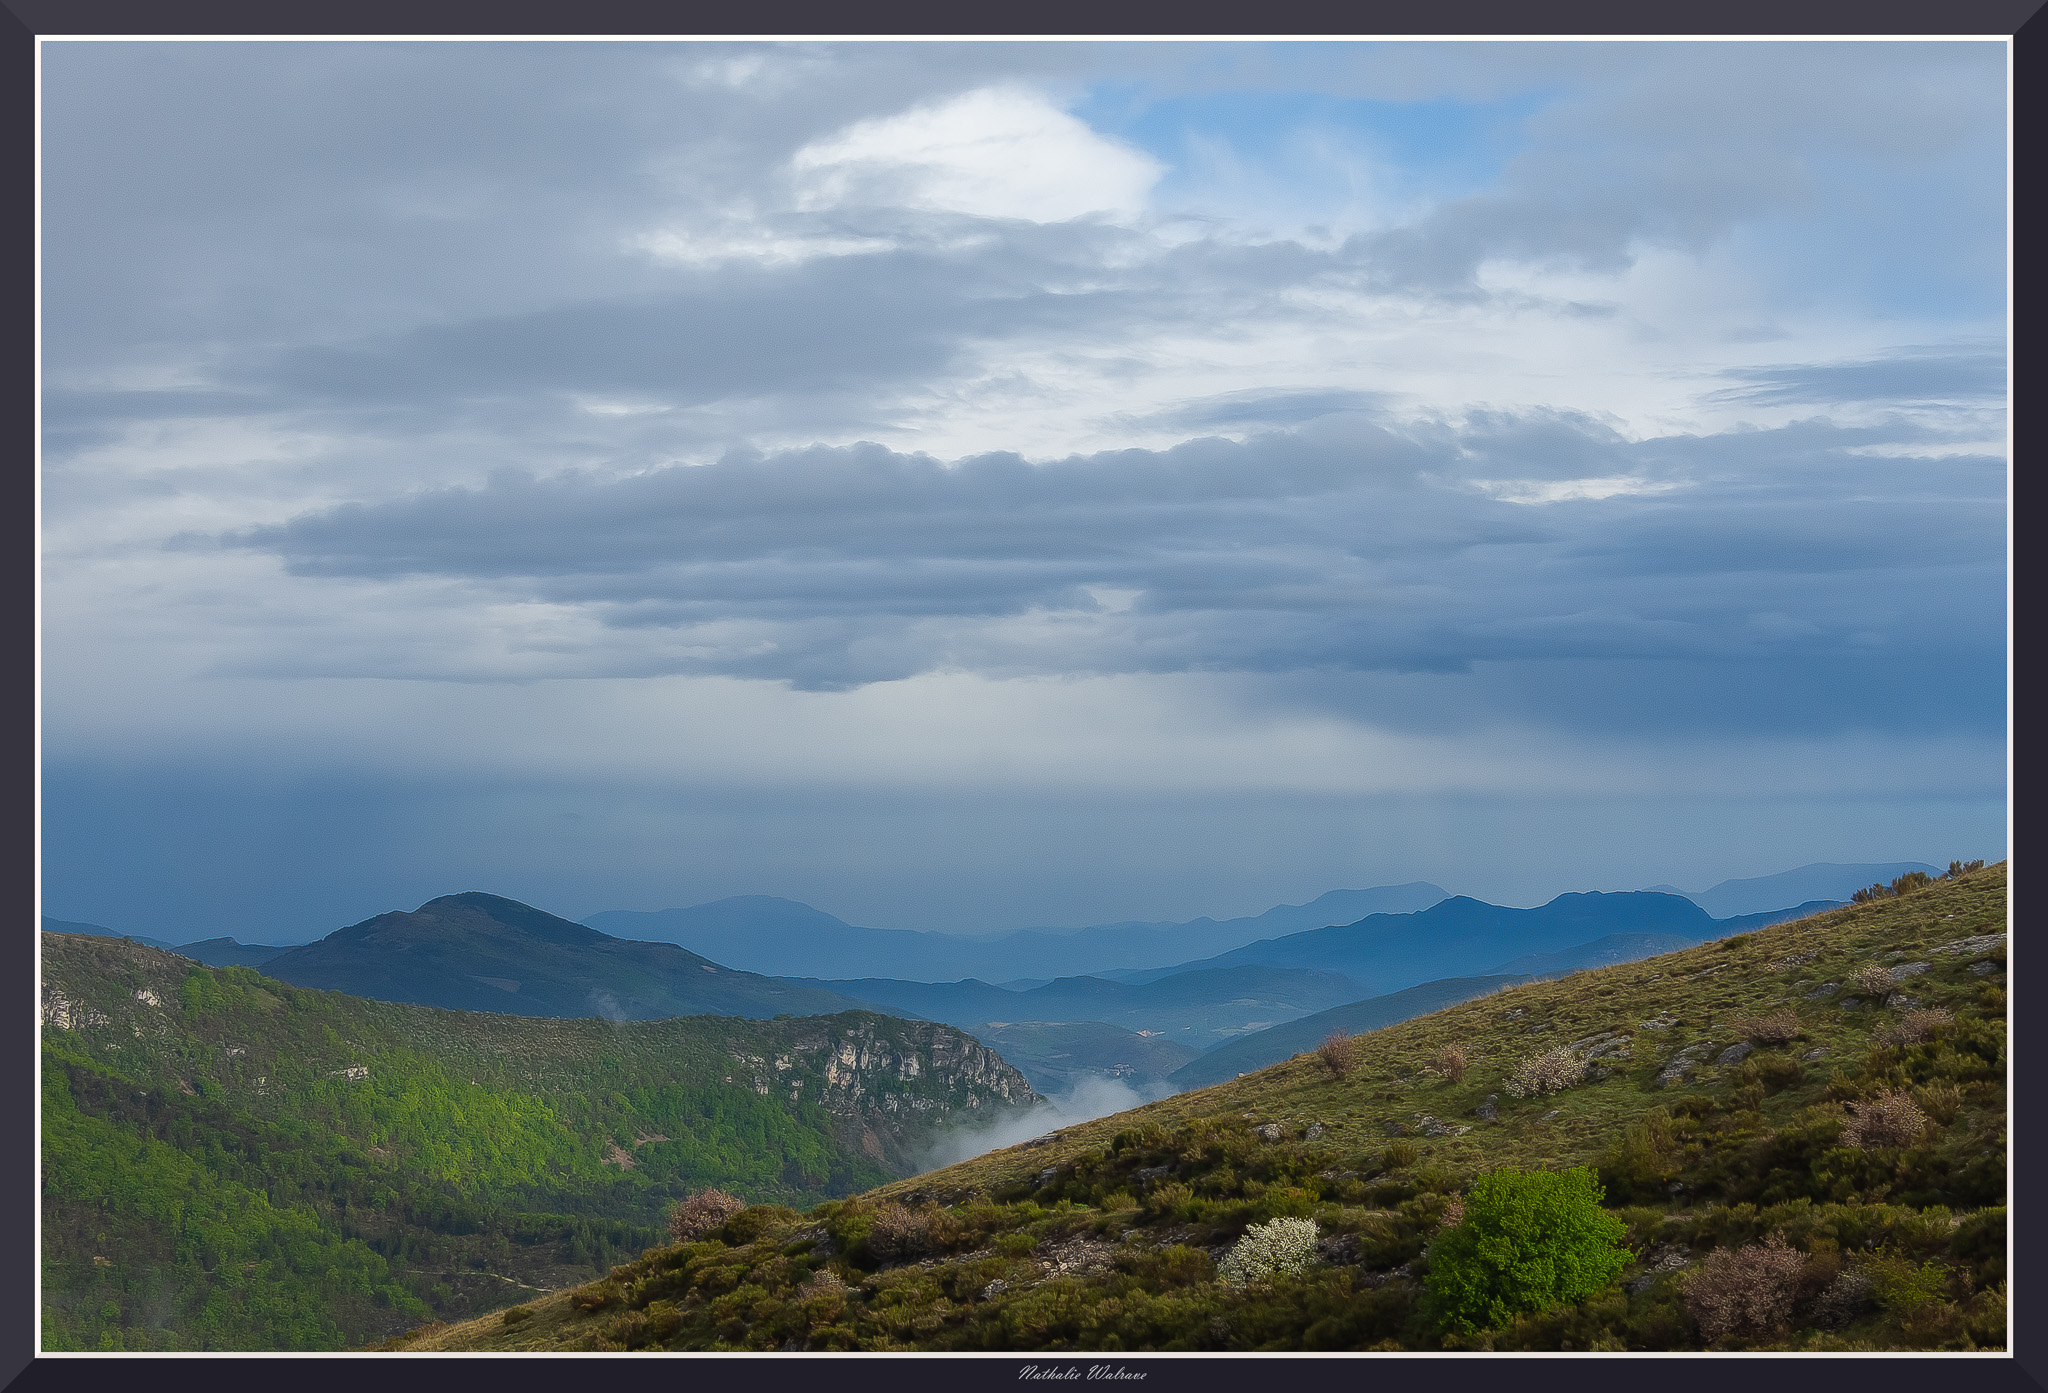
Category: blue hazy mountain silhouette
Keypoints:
(1388, 952)
(1823, 880)
(768, 934)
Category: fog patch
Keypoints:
(607, 1005)
(1090, 1098)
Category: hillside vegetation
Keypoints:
(231, 1162)
(1799, 1135)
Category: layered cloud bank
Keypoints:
(1075, 421)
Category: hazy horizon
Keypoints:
(1012, 484)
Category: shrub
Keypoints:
(1339, 1052)
(1847, 1297)
(1746, 1293)
(1529, 1240)
(1399, 1154)
(1911, 880)
(1874, 979)
(1280, 1246)
(701, 1213)
(516, 1314)
(1958, 869)
(1889, 1119)
(823, 1282)
(1551, 1072)
(1450, 1063)
(1914, 1027)
(1779, 1027)
(899, 1234)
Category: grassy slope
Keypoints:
(1066, 1245)
(214, 1178)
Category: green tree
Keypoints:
(1529, 1240)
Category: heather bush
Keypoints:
(1449, 1063)
(1338, 1052)
(898, 1234)
(1779, 1027)
(1875, 979)
(1745, 1293)
(1399, 1154)
(1528, 1240)
(1914, 1027)
(1277, 1247)
(701, 1213)
(1847, 1297)
(1889, 1119)
(1550, 1072)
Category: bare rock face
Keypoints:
(1735, 1053)
(1983, 943)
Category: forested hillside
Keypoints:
(230, 1162)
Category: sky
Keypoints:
(976, 485)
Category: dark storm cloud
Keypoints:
(1342, 545)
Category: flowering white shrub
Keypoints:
(1552, 1072)
(1281, 1246)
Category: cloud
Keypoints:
(999, 152)
(1340, 545)
(1089, 1099)
(1906, 377)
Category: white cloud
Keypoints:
(999, 152)
(1532, 491)
(757, 244)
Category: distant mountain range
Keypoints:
(763, 933)
(1387, 952)
(1194, 1008)
(1823, 880)
(477, 952)
(1251, 1052)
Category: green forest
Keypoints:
(230, 1162)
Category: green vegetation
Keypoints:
(1740, 1212)
(1528, 1241)
(230, 1162)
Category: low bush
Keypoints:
(1449, 1063)
(1847, 1297)
(1780, 1027)
(1873, 979)
(1940, 1100)
(1889, 1119)
(516, 1314)
(1277, 1247)
(701, 1213)
(1745, 1293)
(1914, 1027)
(1338, 1052)
(1551, 1072)
(1958, 869)
(1398, 1155)
(898, 1234)
(1528, 1240)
